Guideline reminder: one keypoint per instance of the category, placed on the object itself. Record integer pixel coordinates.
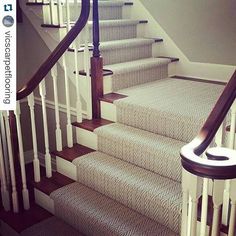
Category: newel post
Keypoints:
(96, 65)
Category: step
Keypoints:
(144, 149)
(135, 72)
(84, 131)
(94, 214)
(65, 157)
(152, 195)
(170, 107)
(46, 186)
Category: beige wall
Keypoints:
(205, 31)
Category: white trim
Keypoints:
(51, 105)
(29, 156)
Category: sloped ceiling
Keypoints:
(205, 30)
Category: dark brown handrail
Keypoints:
(57, 52)
(221, 162)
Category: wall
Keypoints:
(204, 30)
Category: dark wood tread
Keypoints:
(91, 125)
(106, 72)
(48, 185)
(198, 80)
(25, 219)
(70, 154)
(173, 59)
(111, 97)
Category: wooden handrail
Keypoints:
(57, 53)
(221, 162)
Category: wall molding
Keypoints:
(29, 156)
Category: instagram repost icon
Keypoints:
(8, 21)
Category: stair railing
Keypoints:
(209, 172)
(12, 154)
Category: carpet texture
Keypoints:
(171, 107)
(94, 214)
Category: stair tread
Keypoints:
(91, 125)
(132, 186)
(151, 151)
(70, 154)
(170, 107)
(141, 64)
(48, 185)
(123, 43)
(77, 204)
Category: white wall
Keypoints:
(205, 31)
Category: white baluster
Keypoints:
(68, 111)
(52, 13)
(4, 190)
(232, 224)
(204, 207)
(59, 13)
(25, 192)
(217, 197)
(226, 201)
(36, 162)
(78, 99)
(11, 163)
(191, 193)
(87, 71)
(67, 15)
(48, 164)
(57, 115)
(185, 191)
(4, 144)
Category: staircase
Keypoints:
(123, 175)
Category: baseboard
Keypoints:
(29, 156)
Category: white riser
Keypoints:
(66, 168)
(44, 201)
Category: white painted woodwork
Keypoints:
(232, 223)
(44, 201)
(36, 162)
(59, 13)
(66, 168)
(217, 197)
(25, 192)
(204, 207)
(108, 111)
(5, 150)
(68, 108)
(52, 13)
(58, 133)
(15, 203)
(87, 138)
(4, 190)
(48, 164)
(78, 96)
(67, 15)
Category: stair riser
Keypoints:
(129, 196)
(138, 77)
(116, 33)
(127, 53)
(105, 13)
(66, 168)
(156, 161)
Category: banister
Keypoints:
(57, 53)
(217, 166)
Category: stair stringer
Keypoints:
(185, 67)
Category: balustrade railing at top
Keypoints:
(12, 151)
(209, 173)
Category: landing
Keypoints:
(171, 107)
